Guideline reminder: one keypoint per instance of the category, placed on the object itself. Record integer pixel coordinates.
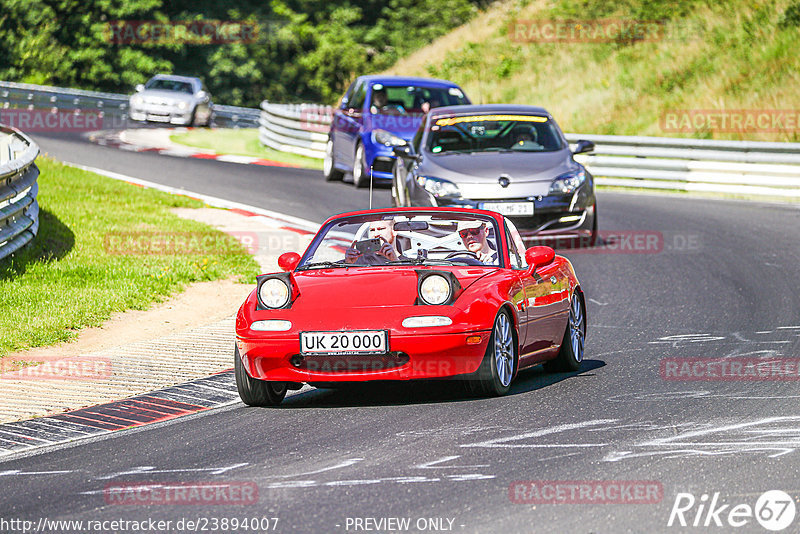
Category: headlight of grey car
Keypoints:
(438, 187)
(382, 137)
(567, 183)
(183, 104)
(136, 100)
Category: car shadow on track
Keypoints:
(401, 393)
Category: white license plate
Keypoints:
(356, 342)
(510, 208)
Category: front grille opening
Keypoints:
(383, 165)
(349, 363)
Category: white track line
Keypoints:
(304, 224)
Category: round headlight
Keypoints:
(274, 293)
(435, 289)
(183, 104)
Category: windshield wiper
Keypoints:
(323, 264)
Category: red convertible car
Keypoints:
(409, 293)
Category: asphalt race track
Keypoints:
(721, 281)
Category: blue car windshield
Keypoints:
(494, 133)
(406, 99)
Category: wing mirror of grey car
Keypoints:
(202, 95)
(403, 152)
(139, 88)
(537, 257)
(583, 146)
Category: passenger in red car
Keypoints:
(384, 230)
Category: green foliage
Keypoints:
(70, 276)
(791, 17)
(304, 49)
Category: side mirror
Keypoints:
(288, 261)
(401, 151)
(202, 95)
(538, 256)
(405, 152)
(583, 146)
(139, 87)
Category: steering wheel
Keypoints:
(470, 257)
(370, 258)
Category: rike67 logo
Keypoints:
(774, 510)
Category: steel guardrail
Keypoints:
(734, 167)
(111, 106)
(19, 211)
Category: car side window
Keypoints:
(359, 96)
(516, 259)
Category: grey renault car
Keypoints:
(506, 158)
(172, 99)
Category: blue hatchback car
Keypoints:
(373, 113)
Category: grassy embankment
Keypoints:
(730, 55)
(79, 269)
(241, 142)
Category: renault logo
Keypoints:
(503, 181)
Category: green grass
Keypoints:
(68, 278)
(702, 194)
(241, 142)
(733, 55)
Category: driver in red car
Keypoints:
(475, 236)
(383, 230)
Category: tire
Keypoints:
(395, 192)
(255, 392)
(193, 118)
(593, 238)
(329, 170)
(360, 176)
(571, 353)
(496, 372)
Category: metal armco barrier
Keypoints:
(19, 211)
(735, 167)
(106, 105)
(301, 129)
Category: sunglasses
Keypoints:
(470, 231)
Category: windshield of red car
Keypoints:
(384, 239)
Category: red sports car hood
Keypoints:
(363, 287)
